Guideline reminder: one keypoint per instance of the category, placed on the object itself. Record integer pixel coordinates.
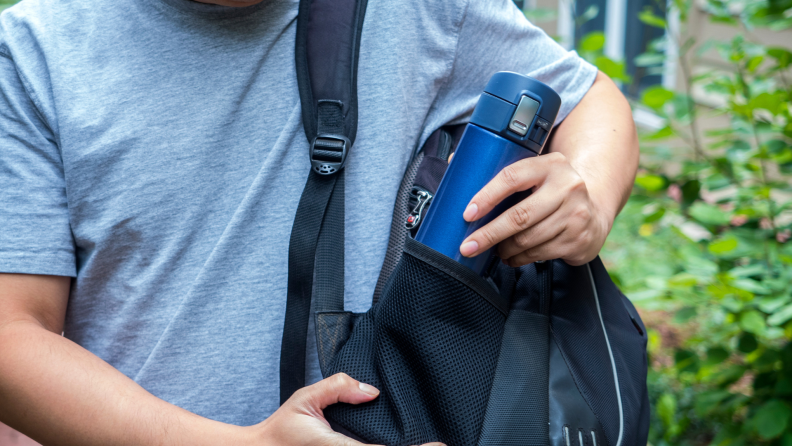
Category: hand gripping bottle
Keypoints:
(510, 122)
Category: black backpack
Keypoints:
(544, 354)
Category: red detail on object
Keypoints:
(410, 219)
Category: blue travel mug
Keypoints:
(510, 122)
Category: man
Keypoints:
(152, 158)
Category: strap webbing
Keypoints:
(326, 55)
(308, 224)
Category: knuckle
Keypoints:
(582, 212)
(340, 380)
(489, 237)
(520, 216)
(523, 240)
(511, 177)
(576, 184)
(557, 157)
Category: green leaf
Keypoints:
(667, 409)
(648, 17)
(590, 12)
(747, 343)
(663, 133)
(539, 15)
(690, 192)
(780, 316)
(649, 59)
(684, 315)
(709, 214)
(771, 419)
(707, 402)
(686, 361)
(723, 246)
(656, 96)
(754, 63)
(752, 322)
(651, 183)
(750, 285)
(782, 56)
(593, 41)
(771, 102)
(716, 355)
(614, 69)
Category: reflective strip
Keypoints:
(566, 435)
(580, 437)
(610, 353)
(593, 438)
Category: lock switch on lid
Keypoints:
(523, 116)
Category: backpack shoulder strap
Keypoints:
(326, 59)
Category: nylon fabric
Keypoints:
(329, 271)
(302, 255)
(517, 410)
(580, 338)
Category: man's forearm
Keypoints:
(600, 142)
(61, 394)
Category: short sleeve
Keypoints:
(495, 36)
(35, 236)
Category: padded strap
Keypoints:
(326, 57)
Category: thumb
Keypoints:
(339, 388)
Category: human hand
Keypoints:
(300, 422)
(559, 220)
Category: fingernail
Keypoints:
(470, 212)
(371, 390)
(469, 248)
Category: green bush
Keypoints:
(703, 246)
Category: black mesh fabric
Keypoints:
(577, 328)
(431, 346)
(398, 233)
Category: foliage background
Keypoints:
(702, 246)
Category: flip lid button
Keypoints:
(523, 116)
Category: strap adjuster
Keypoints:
(328, 153)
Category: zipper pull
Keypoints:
(424, 197)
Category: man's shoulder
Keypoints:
(31, 24)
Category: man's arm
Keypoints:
(580, 186)
(58, 393)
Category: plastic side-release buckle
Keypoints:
(328, 153)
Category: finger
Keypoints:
(339, 388)
(542, 232)
(517, 177)
(337, 439)
(552, 249)
(516, 219)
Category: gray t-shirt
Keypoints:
(153, 150)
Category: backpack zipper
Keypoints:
(421, 197)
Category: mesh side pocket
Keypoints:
(431, 346)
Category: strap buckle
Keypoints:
(328, 153)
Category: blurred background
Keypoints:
(703, 247)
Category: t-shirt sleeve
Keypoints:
(35, 236)
(494, 36)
